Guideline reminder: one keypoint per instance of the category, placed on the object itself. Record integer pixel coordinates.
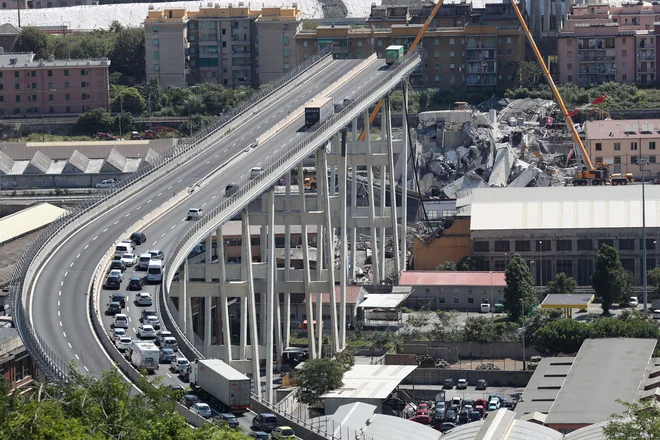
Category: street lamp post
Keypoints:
(655, 247)
(522, 305)
(641, 162)
(541, 263)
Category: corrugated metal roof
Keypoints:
(27, 220)
(384, 300)
(500, 425)
(451, 278)
(371, 381)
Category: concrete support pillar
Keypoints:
(383, 193)
(270, 295)
(319, 274)
(343, 247)
(287, 266)
(547, 12)
(252, 312)
(404, 185)
(207, 327)
(354, 139)
(372, 206)
(184, 305)
(394, 213)
(224, 307)
(311, 345)
(329, 237)
(208, 258)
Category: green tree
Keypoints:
(540, 318)
(519, 291)
(639, 421)
(317, 377)
(531, 74)
(471, 264)
(132, 100)
(653, 280)
(151, 94)
(346, 358)
(609, 278)
(446, 266)
(127, 123)
(561, 336)
(127, 53)
(31, 39)
(93, 122)
(561, 284)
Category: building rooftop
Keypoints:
(371, 381)
(383, 300)
(502, 425)
(9, 29)
(451, 278)
(544, 386)
(28, 220)
(561, 300)
(353, 294)
(622, 129)
(604, 371)
(26, 60)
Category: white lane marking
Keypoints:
(86, 369)
(127, 215)
(184, 219)
(170, 187)
(60, 323)
(138, 208)
(58, 303)
(149, 201)
(127, 309)
(203, 205)
(225, 150)
(168, 375)
(70, 346)
(77, 356)
(116, 222)
(94, 239)
(86, 246)
(259, 164)
(233, 145)
(159, 195)
(60, 292)
(173, 226)
(242, 138)
(105, 230)
(182, 179)
(241, 176)
(134, 330)
(208, 162)
(213, 197)
(165, 233)
(129, 319)
(292, 138)
(61, 283)
(67, 273)
(78, 256)
(58, 312)
(257, 128)
(154, 243)
(216, 156)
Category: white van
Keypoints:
(485, 308)
(123, 248)
(121, 321)
(155, 271)
(256, 172)
(143, 262)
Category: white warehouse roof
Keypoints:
(371, 381)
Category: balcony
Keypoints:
(645, 69)
(481, 69)
(485, 55)
(479, 45)
(591, 59)
(646, 57)
(598, 45)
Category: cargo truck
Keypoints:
(318, 110)
(393, 55)
(228, 387)
(144, 356)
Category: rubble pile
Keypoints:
(457, 150)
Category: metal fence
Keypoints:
(44, 356)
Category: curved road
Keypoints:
(59, 309)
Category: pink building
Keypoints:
(52, 86)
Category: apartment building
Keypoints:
(231, 46)
(14, 4)
(29, 86)
(474, 56)
(621, 143)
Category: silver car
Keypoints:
(180, 365)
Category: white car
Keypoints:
(116, 273)
(633, 301)
(202, 409)
(156, 254)
(180, 365)
(169, 342)
(107, 183)
(461, 384)
(129, 259)
(161, 335)
(146, 331)
(195, 214)
(143, 299)
(121, 321)
(152, 321)
(124, 343)
(118, 333)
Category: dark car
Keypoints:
(451, 416)
(264, 422)
(167, 355)
(189, 400)
(112, 283)
(448, 384)
(118, 264)
(481, 384)
(230, 190)
(447, 426)
(231, 419)
(135, 283)
(475, 415)
(113, 308)
(259, 435)
(118, 297)
(138, 237)
(464, 417)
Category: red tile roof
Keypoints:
(451, 278)
(352, 295)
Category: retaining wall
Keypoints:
(470, 350)
(497, 378)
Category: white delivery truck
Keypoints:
(155, 270)
(318, 110)
(145, 356)
(228, 386)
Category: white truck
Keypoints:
(145, 356)
(318, 110)
(227, 386)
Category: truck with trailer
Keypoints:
(144, 356)
(318, 110)
(229, 388)
(393, 55)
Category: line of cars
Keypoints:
(126, 257)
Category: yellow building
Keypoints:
(451, 245)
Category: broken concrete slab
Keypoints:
(501, 170)
(468, 181)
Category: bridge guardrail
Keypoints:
(57, 231)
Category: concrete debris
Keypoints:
(517, 145)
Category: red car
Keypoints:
(423, 407)
(424, 419)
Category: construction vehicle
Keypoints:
(588, 175)
(412, 47)
(622, 179)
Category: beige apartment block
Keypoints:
(232, 46)
(621, 143)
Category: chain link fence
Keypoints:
(46, 359)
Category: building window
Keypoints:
(481, 246)
(500, 265)
(154, 29)
(437, 54)
(18, 98)
(66, 72)
(599, 146)
(624, 53)
(155, 55)
(451, 66)
(156, 41)
(451, 53)
(50, 97)
(502, 246)
(17, 86)
(617, 146)
(67, 109)
(34, 85)
(599, 159)
(66, 85)
(457, 300)
(470, 300)
(627, 244)
(523, 246)
(50, 73)
(286, 40)
(564, 245)
(437, 78)
(83, 84)
(508, 40)
(624, 65)
(286, 66)
(34, 97)
(633, 146)
(607, 241)
(84, 72)
(569, 54)
(651, 159)
(84, 96)
(67, 97)
(651, 145)
(441, 300)
(570, 78)
(51, 109)
(287, 52)
(156, 67)
(585, 245)
(569, 66)
(565, 266)
(617, 160)
(543, 245)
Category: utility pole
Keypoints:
(121, 111)
(522, 305)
